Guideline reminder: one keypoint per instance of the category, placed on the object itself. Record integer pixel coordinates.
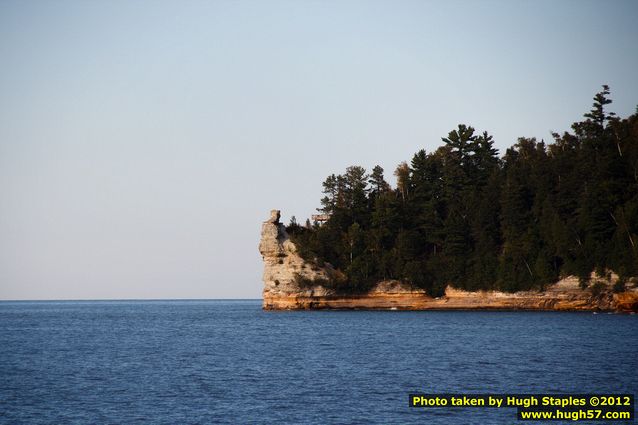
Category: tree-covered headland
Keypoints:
(464, 216)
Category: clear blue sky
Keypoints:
(142, 143)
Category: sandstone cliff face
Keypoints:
(290, 283)
(565, 295)
(284, 268)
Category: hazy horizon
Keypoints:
(143, 143)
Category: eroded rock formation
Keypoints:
(285, 272)
(291, 283)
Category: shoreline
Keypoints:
(626, 302)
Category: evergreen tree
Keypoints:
(377, 182)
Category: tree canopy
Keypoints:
(462, 215)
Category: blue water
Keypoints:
(174, 362)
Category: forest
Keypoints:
(465, 216)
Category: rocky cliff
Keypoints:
(285, 271)
(291, 283)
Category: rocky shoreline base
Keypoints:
(563, 296)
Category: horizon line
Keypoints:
(129, 299)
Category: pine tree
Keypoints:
(377, 182)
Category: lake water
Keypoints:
(181, 362)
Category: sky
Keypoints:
(143, 142)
